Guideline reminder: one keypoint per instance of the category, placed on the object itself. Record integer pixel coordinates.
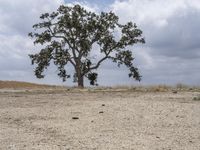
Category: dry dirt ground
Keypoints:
(108, 120)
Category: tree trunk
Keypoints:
(79, 75)
(80, 82)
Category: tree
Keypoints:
(68, 36)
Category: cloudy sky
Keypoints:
(171, 28)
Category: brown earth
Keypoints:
(107, 119)
(24, 85)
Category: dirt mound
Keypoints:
(18, 84)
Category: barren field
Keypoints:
(106, 120)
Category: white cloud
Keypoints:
(144, 11)
(17, 18)
(171, 29)
(172, 38)
(89, 7)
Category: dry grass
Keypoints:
(154, 88)
(197, 98)
(20, 85)
(150, 88)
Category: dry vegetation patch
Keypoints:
(18, 85)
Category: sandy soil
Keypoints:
(34, 120)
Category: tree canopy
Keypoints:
(68, 36)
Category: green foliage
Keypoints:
(92, 77)
(69, 34)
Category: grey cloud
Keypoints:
(178, 38)
(172, 71)
(171, 54)
(172, 50)
(19, 16)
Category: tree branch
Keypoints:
(56, 36)
(99, 62)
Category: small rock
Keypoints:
(101, 112)
(75, 118)
(103, 105)
(175, 92)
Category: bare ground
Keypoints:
(42, 120)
